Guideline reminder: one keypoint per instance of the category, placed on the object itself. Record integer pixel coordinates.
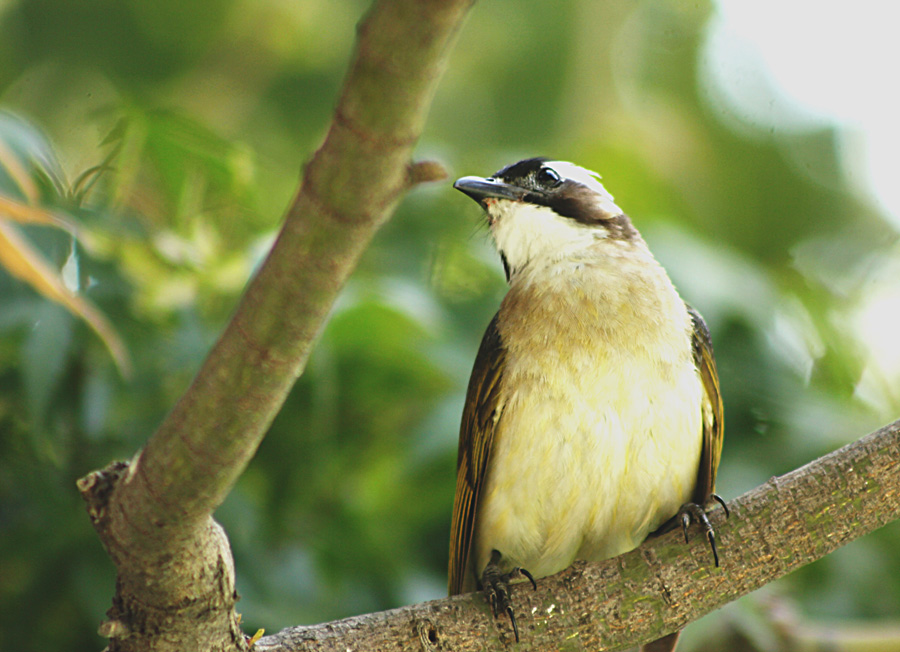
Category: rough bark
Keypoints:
(175, 584)
(788, 522)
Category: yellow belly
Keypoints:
(599, 437)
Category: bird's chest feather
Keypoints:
(599, 431)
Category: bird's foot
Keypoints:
(692, 512)
(495, 585)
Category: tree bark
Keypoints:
(175, 582)
(788, 522)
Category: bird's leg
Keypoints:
(495, 584)
(693, 512)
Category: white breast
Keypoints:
(600, 432)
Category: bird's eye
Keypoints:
(548, 177)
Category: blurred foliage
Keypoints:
(174, 134)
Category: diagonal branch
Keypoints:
(153, 514)
(784, 524)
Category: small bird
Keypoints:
(593, 416)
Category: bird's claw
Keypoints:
(692, 512)
(496, 590)
(721, 501)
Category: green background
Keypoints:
(202, 114)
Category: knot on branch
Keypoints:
(428, 634)
(97, 487)
(425, 172)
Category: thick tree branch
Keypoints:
(153, 514)
(774, 529)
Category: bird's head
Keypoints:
(545, 211)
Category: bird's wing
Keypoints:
(712, 410)
(476, 436)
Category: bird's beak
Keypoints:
(480, 189)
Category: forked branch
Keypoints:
(175, 586)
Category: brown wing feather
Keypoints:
(476, 436)
(712, 411)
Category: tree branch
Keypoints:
(153, 514)
(788, 522)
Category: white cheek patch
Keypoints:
(529, 233)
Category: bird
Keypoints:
(593, 415)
